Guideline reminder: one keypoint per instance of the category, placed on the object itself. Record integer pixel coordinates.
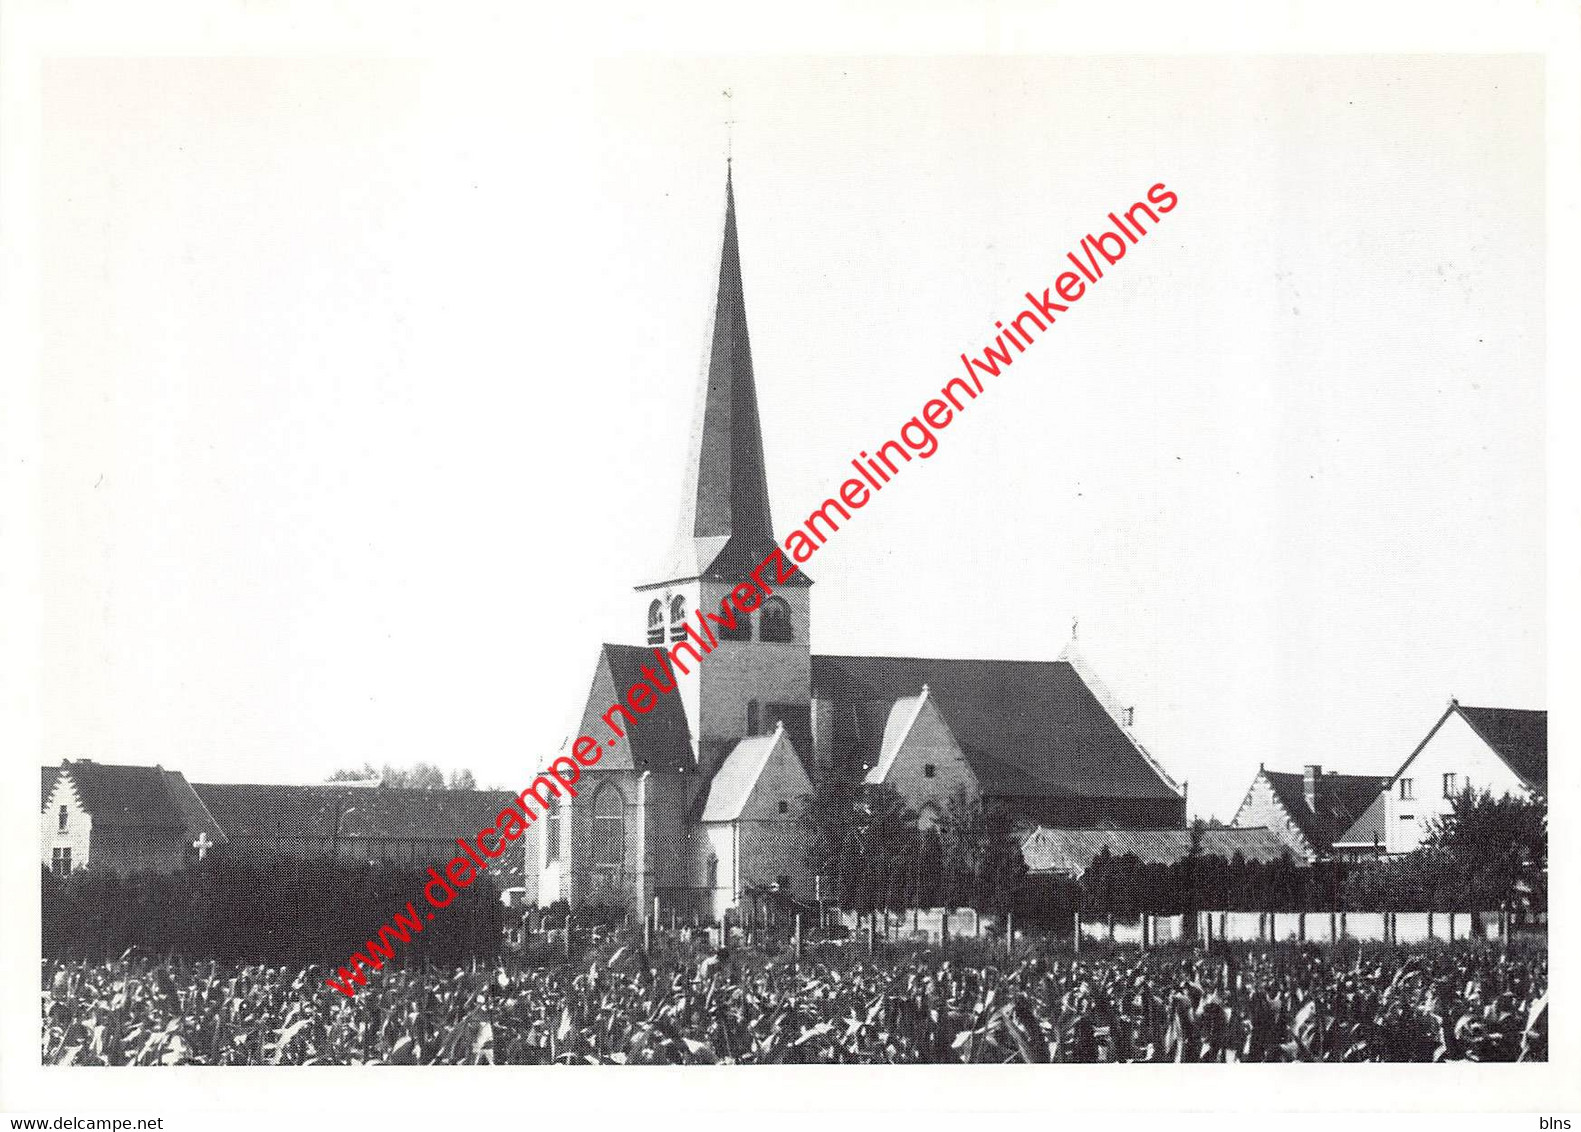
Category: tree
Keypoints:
(1496, 848)
(419, 776)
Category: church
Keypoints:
(698, 803)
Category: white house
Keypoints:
(1501, 750)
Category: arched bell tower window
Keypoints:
(677, 618)
(774, 623)
(656, 622)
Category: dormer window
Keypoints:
(656, 623)
(677, 618)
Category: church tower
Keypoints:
(758, 674)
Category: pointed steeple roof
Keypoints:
(726, 529)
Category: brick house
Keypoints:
(1308, 811)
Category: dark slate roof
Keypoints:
(1372, 828)
(117, 795)
(193, 812)
(1517, 736)
(264, 810)
(726, 529)
(659, 739)
(1341, 799)
(47, 776)
(1028, 728)
(1070, 851)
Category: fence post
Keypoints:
(798, 937)
(647, 935)
(568, 935)
(1075, 921)
(870, 938)
(1010, 933)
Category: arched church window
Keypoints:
(609, 826)
(741, 631)
(656, 622)
(551, 832)
(774, 623)
(677, 618)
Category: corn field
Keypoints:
(615, 1007)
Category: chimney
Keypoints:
(1309, 781)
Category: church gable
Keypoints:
(762, 779)
(1031, 729)
(920, 758)
(658, 739)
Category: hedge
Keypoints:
(288, 911)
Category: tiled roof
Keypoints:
(1071, 851)
(732, 783)
(263, 810)
(127, 796)
(1519, 737)
(193, 812)
(1372, 828)
(1341, 799)
(1026, 727)
(659, 739)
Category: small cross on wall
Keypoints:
(203, 845)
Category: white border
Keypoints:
(34, 30)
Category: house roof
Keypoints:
(266, 810)
(1028, 728)
(1340, 798)
(128, 796)
(733, 782)
(1517, 736)
(1070, 851)
(47, 777)
(1372, 828)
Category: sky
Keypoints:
(366, 388)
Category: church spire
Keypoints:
(725, 521)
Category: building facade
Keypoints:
(697, 804)
(1503, 751)
(1308, 811)
(121, 819)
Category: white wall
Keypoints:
(1454, 748)
(927, 742)
(79, 826)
